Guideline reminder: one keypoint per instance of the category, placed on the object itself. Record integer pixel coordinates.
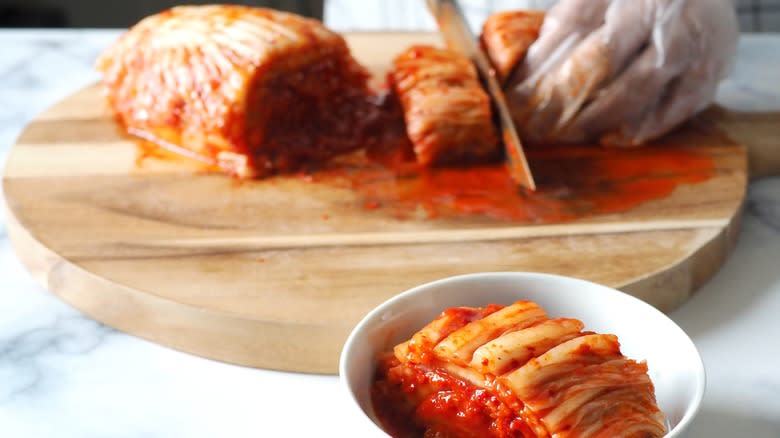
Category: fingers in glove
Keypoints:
(565, 25)
(686, 97)
(712, 53)
(621, 105)
(628, 26)
(561, 93)
(529, 97)
(628, 98)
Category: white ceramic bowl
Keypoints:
(644, 332)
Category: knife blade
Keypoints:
(456, 32)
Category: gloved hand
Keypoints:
(622, 72)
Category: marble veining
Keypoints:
(64, 375)
(764, 203)
(23, 356)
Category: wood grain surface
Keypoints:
(252, 273)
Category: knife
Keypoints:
(456, 32)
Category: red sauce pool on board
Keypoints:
(573, 181)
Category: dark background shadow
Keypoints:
(102, 13)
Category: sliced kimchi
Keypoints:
(514, 372)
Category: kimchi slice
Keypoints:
(513, 372)
(447, 113)
(251, 90)
(507, 36)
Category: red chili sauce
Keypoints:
(573, 182)
(419, 399)
(415, 402)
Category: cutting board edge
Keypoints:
(162, 320)
(697, 268)
(159, 316)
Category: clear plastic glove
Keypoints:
(622, 72)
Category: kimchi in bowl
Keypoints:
(644, 333)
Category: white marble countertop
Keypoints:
(64, 375)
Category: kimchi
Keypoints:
(448, 115)
(507, 36)
(513, 372)
(251, 90)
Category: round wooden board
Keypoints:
(251, 274)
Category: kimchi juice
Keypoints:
(419, 401)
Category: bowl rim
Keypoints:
(349, 345)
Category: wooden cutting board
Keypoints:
(275, 273)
